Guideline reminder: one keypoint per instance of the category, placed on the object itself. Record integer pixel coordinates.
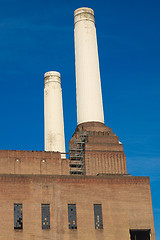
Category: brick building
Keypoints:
(87, 196)
(45, 197)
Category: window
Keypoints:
(98, 216)
(140, 234)
(45, 209)
(72, 216)
(18, 218)
(17, 166)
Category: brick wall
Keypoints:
(105, 162)
(103, 153)
(32, 162)
(126, 204)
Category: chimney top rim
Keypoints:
(52, 73)
(83, 10)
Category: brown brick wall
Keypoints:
(103, 139)
(32, 162)
(103, 153)
(103, 147)
(105, 162)
(126, 204)
(33, 178)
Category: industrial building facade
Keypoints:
(41, 199)
(123, 205)
(44, 195)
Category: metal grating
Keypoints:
(45, 208)
(72, 216)
(18, 218)
(76, 155)
(98, 216)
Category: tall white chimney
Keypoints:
(53, 113)
(88, 83)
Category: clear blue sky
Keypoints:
(37, 36)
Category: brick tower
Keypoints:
(95, 149)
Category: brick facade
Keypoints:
(32, 162)
(103, 153)
(33, 178)
(125, 200)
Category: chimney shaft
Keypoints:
(53, 113)
(88, 83)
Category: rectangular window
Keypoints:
(18, 218)
(98, 216)
(45, 209)
(72, 216)
(140, 234)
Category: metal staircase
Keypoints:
(76, 155)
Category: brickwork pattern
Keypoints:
(32, 162)
(103, 153)
(103, 162)
(126, 204)
(33, 178)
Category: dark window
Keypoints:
(18, 219)
(45, 208)
(72, 216)
(140, 234)
(98, 216)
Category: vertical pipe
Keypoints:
(53, 113)
(88, 83)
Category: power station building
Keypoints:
(90, 195)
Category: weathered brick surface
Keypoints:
(32, 162)
(103, 162)
(103, 153)
(126, 204)
(109, 147)
(33, 178)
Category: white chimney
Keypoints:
(88, 83)
(53, 113)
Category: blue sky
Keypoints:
(37, 36)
